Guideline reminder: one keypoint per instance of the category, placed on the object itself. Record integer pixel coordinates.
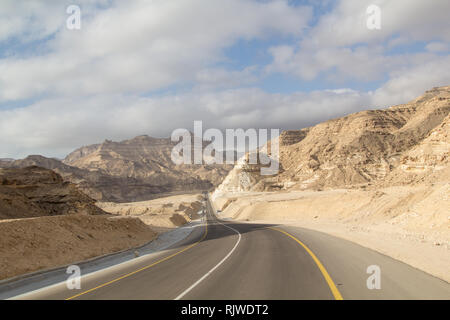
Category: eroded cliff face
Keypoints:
(397, 145)
(148, 162)
(34, 192)
(95, 184)
(141, 158)
(426, 162)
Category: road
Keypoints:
(231, 260)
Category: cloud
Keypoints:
(214, 78)
(32, 20)
(408, 84)
(341, 48)
(345, 25)
(55, 127)
(336, 64)
(28, 21)
(438, 46)
(143, 46)
(148, 67)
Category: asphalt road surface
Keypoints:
(230, 260)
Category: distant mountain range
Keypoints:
(132, 170)
(403, 144)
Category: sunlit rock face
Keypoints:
(396, 145)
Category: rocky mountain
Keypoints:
(95, 184)
(148, 161)
(132, 170)
(396, 145)
(143, 158)
(35, 191)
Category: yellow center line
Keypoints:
(144, 268)
(334, 290)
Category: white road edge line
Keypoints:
(214, 268)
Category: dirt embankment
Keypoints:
(32, 244)
(46, 222)
(162, 213)
(411, 224)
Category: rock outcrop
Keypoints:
(148, 162)
(390, 146)
(35, 192)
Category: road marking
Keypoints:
(215, 267)
(144, 268)
(334, 290)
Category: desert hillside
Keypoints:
(47, 222)
(399, 144)
(35, 192)
(380, 178)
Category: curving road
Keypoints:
(230, 260)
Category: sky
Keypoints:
(149, 67)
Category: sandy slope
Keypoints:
(411, 224)
(33, 244)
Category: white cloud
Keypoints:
(140, 46)
(438, 46)
(94, 83)
(337, 64)
(57, 126)
(54, 127)
(408, 84)
(415, 20)
(31, 20)
(341, 48)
